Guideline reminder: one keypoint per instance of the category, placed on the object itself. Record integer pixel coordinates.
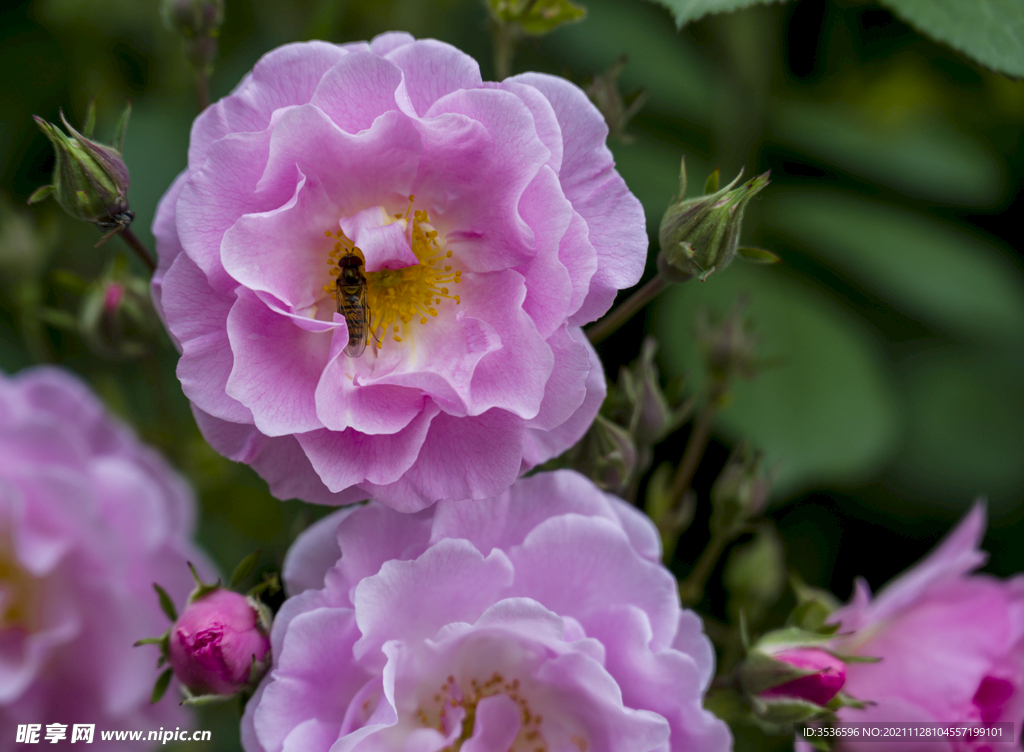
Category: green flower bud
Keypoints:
(638, 402)
(728, 345)
(700, 235)
(603, 91)
(606, 455)
(193, 18)
(755, 574)
(739, 493)
(90, 180)
(198, 22)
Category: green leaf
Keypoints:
(686, 11)
(919, 156)
(988, 31)
(122, 127)
(40, 193)
(90, 119)
(933, 271)
(711, 184)
(160, 688)
(166, 603)
(677, 76)
(827, 412)
(966, 427)
(757, 255)
(244, 568)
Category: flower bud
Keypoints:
(116, 317)
(739, 493)
(219, 645)
(755, 573)
(728, 346)
(198, 22)
(606, 454)
(822, 676)
(603, 91)
(700, 235)
(90, 180)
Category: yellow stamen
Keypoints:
(397, 297)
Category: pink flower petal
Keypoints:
(276, 369)
(356, 91)
(198, 317)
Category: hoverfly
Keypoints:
(352, 304)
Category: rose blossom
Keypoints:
(89, 519)
(214, 643)
(492, 225)
(951, 645)
(539, 619)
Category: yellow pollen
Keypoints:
(397, 297)
(451, 695)
(18, 590)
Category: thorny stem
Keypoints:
(136, 245)
(623, 313)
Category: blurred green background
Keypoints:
(895, 321)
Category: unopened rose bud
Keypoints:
(90, 180)
(728, 346)
(606, 454)
(116, 317)
(700, 235)
(217, 643)
(827, 676)
(739, 493)
(198, 22)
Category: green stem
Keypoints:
(136, 245)
(504, 49)
(202, 87)
(623, 313)
(691, 590)
(695, 448)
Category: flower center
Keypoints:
(398, 297)
(451, 695)
(18, 590)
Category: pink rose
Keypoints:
(214, 642)
(951, 644)
(89, 519)
(520, 232)
(540, 619)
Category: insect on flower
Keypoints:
(352, 304)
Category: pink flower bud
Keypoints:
(213, 643)
(818, 688)
(112, 297)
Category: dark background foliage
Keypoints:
(895, 321)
